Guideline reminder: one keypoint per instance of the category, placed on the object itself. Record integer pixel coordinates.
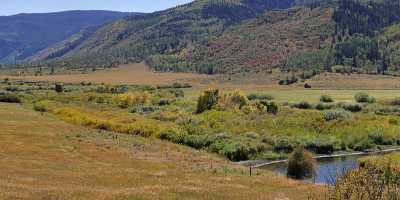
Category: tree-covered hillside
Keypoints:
(256, 45)
(231, 36)
(23, 35)
(135, 38)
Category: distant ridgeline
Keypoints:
(233, 36)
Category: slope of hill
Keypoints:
(23, 35)
(170, 31)
(257, 44)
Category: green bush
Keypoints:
(324, 106)
(238, 151)
(59, 88)
(321, 146)
(207, 100)
(303, 105)
(272, 108)
(144, 109)
(352, 107)
(362, 97)
(178, 93)
(301, 164)
(164, 102)
(326, 99)
(363, 144)
(331, 115)
(258, 96)
(284, 144)
(288, 80)
(9, 98)
(395, 102)
(379, 138)
(41, 106)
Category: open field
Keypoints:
(135, 74)
(140, 74)
(45, 158)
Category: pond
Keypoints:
(327, 170)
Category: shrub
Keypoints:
(9, 98)
(379, 138)
(207, 100)
(362, 97)
(288, 80)
(237, 151)
(272, 108)
(284, 145)
(364, 144)
(132, 99)
(326, 99)
(178, 93)
(235, 100)
(164, 102)
(303, 105)
(321, 146)
(59, 88)
(144, 109)
(258, 96)
(352, 107)
(336, 115)
(395, 102)
(372, 180)
(42, 106)
(301, 164)
(324, 106)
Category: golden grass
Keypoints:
(134, 74)
(45, 158)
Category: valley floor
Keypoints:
(42, 157)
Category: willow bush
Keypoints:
(301, 164)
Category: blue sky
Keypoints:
(10, 7)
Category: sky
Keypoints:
(11, 7)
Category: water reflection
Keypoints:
(327, 168)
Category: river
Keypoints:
(327, 170)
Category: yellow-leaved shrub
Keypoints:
(132, 99)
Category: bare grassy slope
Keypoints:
(44, 158)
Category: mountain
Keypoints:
(233, 36)
(256, 45)
(134, 38)
(23, 35)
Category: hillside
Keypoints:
(22, 35)
(259, 44)
(303, 38)
(135, 38)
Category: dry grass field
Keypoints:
(45, 158)
(140, 74)
(134, 74)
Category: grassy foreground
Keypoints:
(45, 158)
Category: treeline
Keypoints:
(365, 17)
(359, 43)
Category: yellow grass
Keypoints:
(42, 157)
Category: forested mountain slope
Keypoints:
(23, 35)
(135, 38)
(258, 44)
(231, 36)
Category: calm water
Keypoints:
(327, 169)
